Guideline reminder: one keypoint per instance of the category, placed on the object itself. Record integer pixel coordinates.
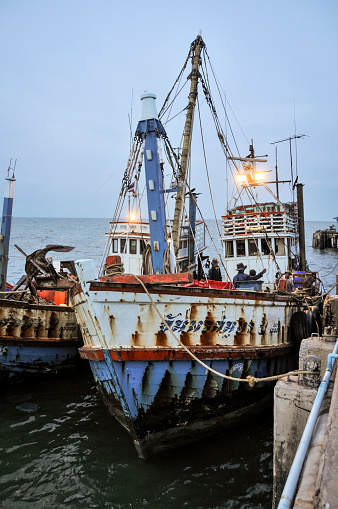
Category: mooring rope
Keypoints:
(251, 380)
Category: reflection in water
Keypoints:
(70, 453)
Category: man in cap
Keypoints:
(215, 272)
(241, 276)
(289, 285)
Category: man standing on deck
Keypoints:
(289, 285)
(215, 272)
(241, 276)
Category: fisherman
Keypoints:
(215, 272)
(241, 276)
(289, 285)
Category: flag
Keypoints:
(131, 188)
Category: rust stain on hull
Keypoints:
(161, 339)
(22, 320)
(239, 338)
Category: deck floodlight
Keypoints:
(259, 176)
(241, 178)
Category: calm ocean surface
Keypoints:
(61, 449)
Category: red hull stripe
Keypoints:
(180, 278)
(167, 354)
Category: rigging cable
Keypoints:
(207, 171)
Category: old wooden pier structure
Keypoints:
(325, 238)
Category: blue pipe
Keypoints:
(297, 465)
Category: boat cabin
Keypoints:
(256, 235)
(130, 238)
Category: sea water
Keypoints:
(59, 447)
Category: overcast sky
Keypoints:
(69, 70)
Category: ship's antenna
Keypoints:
(9, 167)
(14, 168)
(294, 137)
(294, 121)
(277, 187)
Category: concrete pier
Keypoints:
(318, 485)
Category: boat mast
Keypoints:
(198, 45)
(150, 129)
(6, 227)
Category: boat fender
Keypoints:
(318, 319)
(302, 325)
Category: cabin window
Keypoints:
(279, 247)
(265, 247)
(115, 245)
(229, 249)
(132, 246)
(142, 246)
(123, 246)
(240, 247)
(253, 247)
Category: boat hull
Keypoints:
(37, 340)
(151, 383)
(169, 403)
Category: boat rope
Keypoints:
(137, 147)
(251, 380)
(16, 291)
(218, 85)
(171, 153)
(324, 275)
(113, 270)
(177, 81)
(225, 146)
(206, 167)
(199, 253)
(206, 89)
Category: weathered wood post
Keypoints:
(301, 227)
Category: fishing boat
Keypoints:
(128, 241)
(39, 335)
(175, 355)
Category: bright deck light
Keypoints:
(240, 177)
(259, 176)
(132, 217)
